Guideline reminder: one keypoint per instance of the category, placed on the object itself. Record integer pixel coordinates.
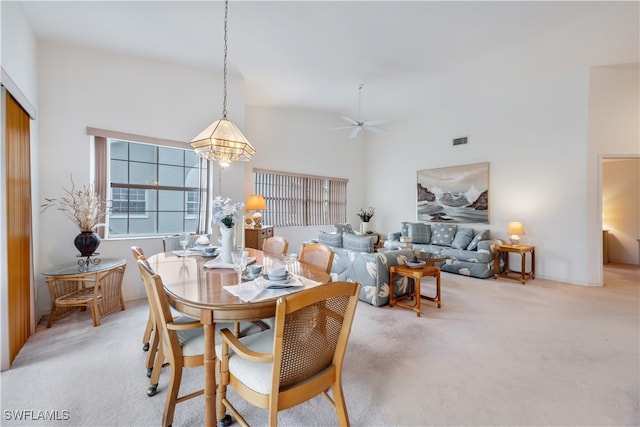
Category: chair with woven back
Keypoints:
(295, 361)
(276, 245)
(318, 255)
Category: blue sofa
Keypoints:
(465, 251)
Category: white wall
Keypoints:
(80, 88)
(614, 131)
(531, 126)
(294, 140)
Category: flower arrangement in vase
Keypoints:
(365, 215)
(85, 209)
(225, 213)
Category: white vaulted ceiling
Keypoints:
(308, 54)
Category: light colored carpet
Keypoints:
(496, 354)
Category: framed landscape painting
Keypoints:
(454, 194)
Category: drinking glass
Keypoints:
(239, 262)
(184, 241)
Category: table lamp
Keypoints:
(516, 229)
(256, 202)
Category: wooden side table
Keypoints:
(416, 274)
(377, 240)
(255, 237)
(507, 273)
(97, 286)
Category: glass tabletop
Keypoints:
(78, 268)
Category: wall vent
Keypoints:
(460, 141)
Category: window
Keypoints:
(154, 187)
(299, 200)
(128, 200)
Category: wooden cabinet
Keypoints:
(254, 237)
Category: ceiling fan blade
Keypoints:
(339, 128)
(355, 132)
(375, 122)
(377, 130)
(350, 120)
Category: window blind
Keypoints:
(301, 200)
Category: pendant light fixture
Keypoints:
(222, 141)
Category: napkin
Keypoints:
(258, 289)
(216, 263)
(203, 240)
(188, 252)
(277, 269)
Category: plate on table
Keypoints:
(418, 264)
(278, 279)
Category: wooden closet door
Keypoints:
(19, 243)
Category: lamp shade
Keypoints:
(256, 202)
(515, 227)
(223, 142)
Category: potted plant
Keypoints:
(225, 213)
(85, 209)
(365, 215)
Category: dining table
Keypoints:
(199, 291)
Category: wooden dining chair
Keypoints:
(318, 255)
(295, 361)
(276, 245)
(181, 343)
(148, 336)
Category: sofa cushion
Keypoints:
(464, 255)
(330, 239)
(419, 232)
(464, 236)
(343, 228)
(357, 243)
(480, 235)
(443, 234)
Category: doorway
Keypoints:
(620, 207)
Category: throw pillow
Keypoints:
(464, 236)
(480, 236)
(443, 234)
(357, 243)
(419, 232)
(330, 239)
(343, 228)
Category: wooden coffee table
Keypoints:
(416, 274)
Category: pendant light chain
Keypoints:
(224, 96)
(222, 141)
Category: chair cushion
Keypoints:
(481, 235)
(419, 232)
(464, 236)
(256, 376)
(356, 243)
(330, 239)
(443, 234)
(192, 340)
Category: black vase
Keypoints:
(87, 242)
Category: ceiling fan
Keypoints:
(358, 125)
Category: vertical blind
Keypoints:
(299, 200)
